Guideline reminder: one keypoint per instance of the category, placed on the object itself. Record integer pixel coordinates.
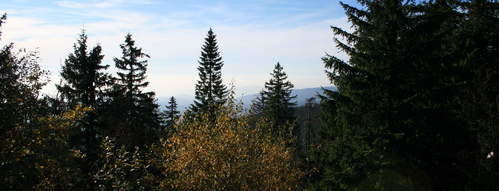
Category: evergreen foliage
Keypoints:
(171, 114)
(84, 83)
(277, 103)
(398, 98)
(210, 90)
(256, 110)
(83, 75)
(416, 109)
(134, 112)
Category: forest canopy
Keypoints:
(415, 106)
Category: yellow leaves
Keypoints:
(25, 152)
(226, 154)
(77, 113)
(76, 153)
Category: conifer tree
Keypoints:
(83, 84)
(358, 119)
(258, 105)
(476, 47)
(256, 110)
(135, 108)
(210, 90)
(278, 101)
(171, 114)
(83, 75)
(397, 101)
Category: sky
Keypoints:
(253, 36)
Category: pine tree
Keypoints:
(476, 47)
(277, 99)
(171, 114)
(136, 109)
(256, 110)
(83, 75)
(395, 110)
(361, 120)
(83, 84)
(210, 90)
(257, 107)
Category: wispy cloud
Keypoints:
(99, 4)
(250, 44)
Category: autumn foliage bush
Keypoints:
(225, 154)
(38, 156)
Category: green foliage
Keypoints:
(171, 115)
(307, 124)
(132, 115)
(416, 109)
(83, 75)
(400, 94)
(257, 107)
(476, 55)
(21, 80)
(210, 90)
(83, 84)
(276, 104)
(39, 156)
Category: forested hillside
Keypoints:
(414, 107)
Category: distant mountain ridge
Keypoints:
(301, 95)
(184, 101)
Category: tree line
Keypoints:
(416, 108)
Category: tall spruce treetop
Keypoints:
(83, 74)
(171, 114)
(210, 90)
(84, 80)
(278, 100)
(138, 108)
(133, 75)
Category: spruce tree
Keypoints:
(476, 47)
(278, 101)
(171, 114)
(210, 90)
(83, 84)
(135, 110)
(257, 105)
(362, 120)
(397, 105)
(83, 75)
(256, 110)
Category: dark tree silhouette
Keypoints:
(136, 112)
(171, 114)
(211, 93)
(278, 102)
(84, 80)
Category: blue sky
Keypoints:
(253, 36)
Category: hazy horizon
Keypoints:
(252, 37)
